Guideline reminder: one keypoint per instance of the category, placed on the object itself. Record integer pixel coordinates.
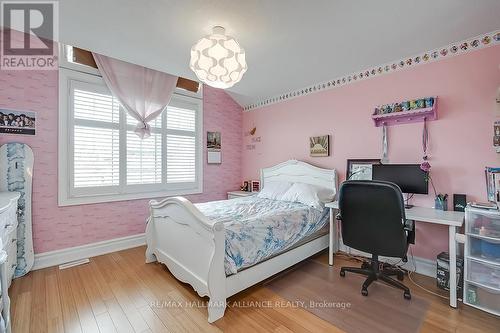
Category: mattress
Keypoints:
(258, 229)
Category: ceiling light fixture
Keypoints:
(218, 60)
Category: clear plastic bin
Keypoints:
(483, 273)
(488, 249)
(483, 222)
(483, 298)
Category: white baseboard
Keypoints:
(58, 257)
(53, 258)
(420, 265)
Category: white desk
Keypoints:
(421, 214)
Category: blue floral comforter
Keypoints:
(257, 228)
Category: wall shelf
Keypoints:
(405, 117)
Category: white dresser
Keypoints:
(8, 249)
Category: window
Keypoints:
(102, 159)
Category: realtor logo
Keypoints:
(29, 30)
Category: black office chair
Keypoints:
(372, 217)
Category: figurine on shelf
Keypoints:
(413, 104)
(405, 105)
(420, 103)
(429, 102)
(388, 108)
(378, 110)
(398, 107)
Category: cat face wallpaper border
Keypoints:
(461, 47)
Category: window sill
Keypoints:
(85, 200)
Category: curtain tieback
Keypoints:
(143, 130)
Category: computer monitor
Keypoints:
(409, 177)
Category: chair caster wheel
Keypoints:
(401, 276)
(407, 295)
(342, 273)
(364, 292)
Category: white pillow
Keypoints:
(311, 195)
(274, 190)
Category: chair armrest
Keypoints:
(410, 228)
(409, 225)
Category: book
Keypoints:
(492, 184)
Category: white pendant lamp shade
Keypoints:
(218, 60)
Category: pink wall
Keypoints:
(61, 227)
(460, 140)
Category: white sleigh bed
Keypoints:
(193, 247)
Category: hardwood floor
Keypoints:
(118, 292)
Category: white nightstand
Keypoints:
(239, 194)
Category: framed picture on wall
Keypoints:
(214, 155)
(319, 146)
(17, 122)
(360, 169)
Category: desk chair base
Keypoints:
(373, 273)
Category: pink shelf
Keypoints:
(405, 117)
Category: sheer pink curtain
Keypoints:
(143, 92)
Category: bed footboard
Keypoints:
(191, 246)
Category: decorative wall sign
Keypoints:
(214, 154)
(468, 45)
(17, 122)
(319, 146)
(254, 140)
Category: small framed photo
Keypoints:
(360, 169)
(245, 186)
(255, 185)
(319, 146)
(214, 154)
(496, 135)
(17, 122)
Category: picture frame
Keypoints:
(319, 146)
(360, 169)
(214, 147)
(255, 185)
(17, 122)
(245, 187)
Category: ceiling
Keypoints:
(289, 44)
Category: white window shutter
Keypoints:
(181, 145)
(144, 159)
(96, 139)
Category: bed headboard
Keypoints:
(301, 172)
